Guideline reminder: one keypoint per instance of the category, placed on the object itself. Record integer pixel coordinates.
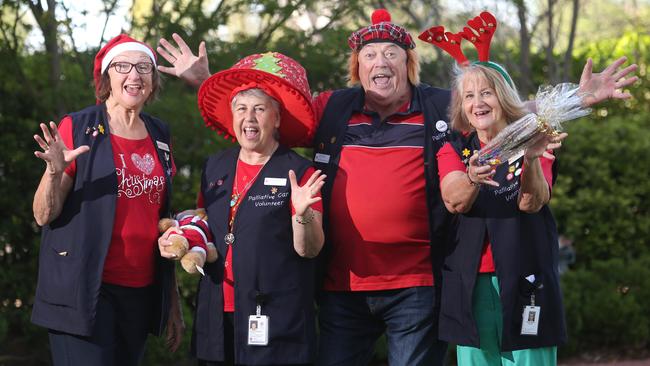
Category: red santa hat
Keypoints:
(114, 47)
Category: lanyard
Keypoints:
(236, 200)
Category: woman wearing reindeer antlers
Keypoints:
(501, 298)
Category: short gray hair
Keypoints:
(255, 92)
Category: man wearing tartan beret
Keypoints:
(379, 275)
(384, 219)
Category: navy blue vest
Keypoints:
(75, 244)
(330, 136)
(522, 244)
(266, 266)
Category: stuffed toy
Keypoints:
(193, 247)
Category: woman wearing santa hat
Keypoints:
(101, 286)
(255, 304)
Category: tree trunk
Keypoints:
(8, 31)
(568, 56)
(48, 24)
(429, 16)
(551, 63)
(525, 84)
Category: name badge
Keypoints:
(322, 158)
(258, 330)
(530, 320)
(441, 126)
(268, 181)
(162, 146)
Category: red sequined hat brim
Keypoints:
(297, 125)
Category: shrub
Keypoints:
(606, 306)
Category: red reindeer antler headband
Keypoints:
(483, 27)
(447, 41)
(480, 35)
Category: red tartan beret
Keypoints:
(381, 30)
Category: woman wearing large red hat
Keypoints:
(101, 284)
(255, 304)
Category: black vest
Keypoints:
(522, 244)
(329, 139)
(75, 244)
(266, 266)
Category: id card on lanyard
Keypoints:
(531, 314)
(530, 321)
(258, 328)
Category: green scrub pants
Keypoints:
(489, 320)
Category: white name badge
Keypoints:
(268, 181)
(162, 146)
(258, 330)
(322, 158)
(530, 320)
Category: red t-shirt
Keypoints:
(141, 194)
(378, 213)
(246, 176)
(449, 161)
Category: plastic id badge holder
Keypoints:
(258, 328)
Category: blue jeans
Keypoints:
(351, 323)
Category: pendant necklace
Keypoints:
(235, 201)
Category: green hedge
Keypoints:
(607, 307)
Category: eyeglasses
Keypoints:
(124, 67)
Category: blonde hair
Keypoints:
(412, 67)
(511, 105)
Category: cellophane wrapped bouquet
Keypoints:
(555, 105)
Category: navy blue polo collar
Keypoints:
(414, 104)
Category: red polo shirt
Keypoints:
(378, 213)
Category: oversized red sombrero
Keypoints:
(280, 77)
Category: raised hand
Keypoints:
(606, 84)
(544, 144)
(55, 154)
(303, 197)
(185, 65)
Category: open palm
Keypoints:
(185, 65)
(55, 153)
(606, 84)
(305, 196)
